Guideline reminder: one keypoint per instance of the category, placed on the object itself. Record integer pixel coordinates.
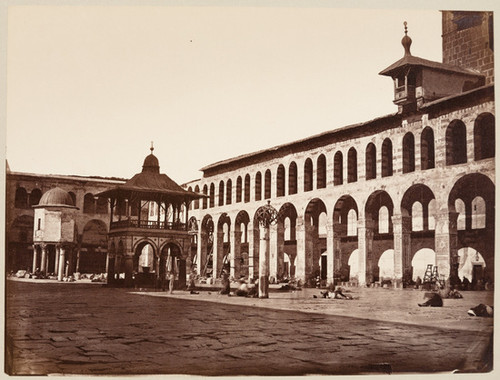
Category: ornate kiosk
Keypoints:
(148, 234)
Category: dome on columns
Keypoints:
(56, 197)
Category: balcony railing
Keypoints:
(147, 224)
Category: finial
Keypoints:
(152, 148)
(406, 41)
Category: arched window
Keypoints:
(338, 169)
(292, 178)
(417, 217)
(322, 224)
(280, 181)
(352, 165)
(205, 191)
(383, 220)
(408, 153)
(432, 214)
(460, 208)
(247, 188)
(196, 201)
(387, 158)
(321, 172)
(21, 200)
(191, 205)
(352, 223)
(456, 143)
(288, 230)
(239, 189)
(371, 161)
(478, 213)
(267, 184)
(212, 195)
(258, 186)
(221, 193)
(427, 160)
(102, 205)
(308, 175)
(229, 192)
(484, 137)
(35, 196)
(73, 197)
(89, 204)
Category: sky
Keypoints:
(89, 87)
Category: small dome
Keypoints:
(56, 197)
(151, 164)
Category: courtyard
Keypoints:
(89, 329)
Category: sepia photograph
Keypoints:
(248, 188)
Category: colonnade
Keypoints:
(63, 263)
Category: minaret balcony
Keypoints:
(148, 225)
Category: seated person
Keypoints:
(435, 300)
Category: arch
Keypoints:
(353, 264)
(484, 136)
(387, 160)
(478, 217)
(371, 162)
(374, 204)
(197, 201)
(386, 265)
(229, 191)
(288, 220)
(308, 175)
(35, 196)
(73, 197)
(345, 212)
(93, 247)
(21, 198)
(212, 195)
(352, 223)
(408, 153)
(205, 199)
(460, 209)
(456, 143)
(420, 260)
(321, 172)
(247, 189)
(322, 222)
(352, 165)
(314, 243)
(292, 178)
(88, 204)
(469, 261)
(416, 202)
(267, 184)
(338, 169)
(95, 233)
(280, 181)
(383, 220)
(221, 193)
(258, 186)
(427, 150)
(239, 189)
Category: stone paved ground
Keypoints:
(57, 328)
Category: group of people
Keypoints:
(244, 289)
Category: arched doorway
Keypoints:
(172, 261)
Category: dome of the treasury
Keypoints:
(56, 197)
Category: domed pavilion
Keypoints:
(148, 234)
(54, 235)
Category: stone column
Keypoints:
(264, 262)
(56, 261)
(365, 246)
(35, 258)
(446, 243)
(402, 249)
(129, 268)
(43, 263)
(332, 266)
(201, 251)
(62, 261)
(235, 244)
(280, 237)
(273, 251)
(251, 247)
(339, 230)
(78, 261)
(218, 252)
(300, 260)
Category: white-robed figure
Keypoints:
(171, 264)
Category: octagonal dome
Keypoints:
(56, 197)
